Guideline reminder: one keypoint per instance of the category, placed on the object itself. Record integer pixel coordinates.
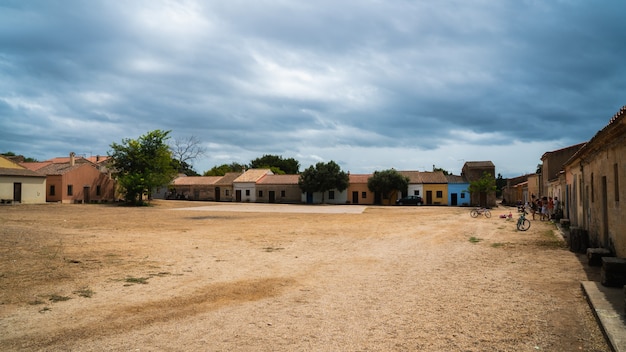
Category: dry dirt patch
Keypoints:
(105, 277)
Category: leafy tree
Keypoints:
(184, 152)
(445, 172)
(277, 164)
(323, 177)
(500, 183)
(387, 181)
(142, 164)
(224, 169)
(25, 159)
(483, 186)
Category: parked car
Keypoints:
(410, 200)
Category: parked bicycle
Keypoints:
(523, 224)
(480, 211)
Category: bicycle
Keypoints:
(478, 211)
(523, 224)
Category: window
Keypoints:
(260, 194)
(226, 192)
(282, 194)
(462, 195)
(616, 177)
(331, 194)
(363, 195)
(416, 192)
(98, 190)
(439, 194)
(52, 190)
(70, 190)
(247, 192)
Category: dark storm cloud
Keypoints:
(409, 84)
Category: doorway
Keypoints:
(17, 192)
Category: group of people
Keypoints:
(546, 207)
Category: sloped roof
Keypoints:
(572, 149)
(479, 164)
(228, 178)
(433, 177)
(253, 175)
(35, 165)
(195, 180)
(5, 171)
(611, 130)
(359, 178)
(456, 179)
(61, 169)
(414, 176)
(279, 180)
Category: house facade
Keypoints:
(278, 189)
(20, 185)
(194, 187)
(551, 168)
(416, 185)
(474, 171)
(435, 188)
(75, 181)
(358, 192)
(244, 186)
(458, 193)
(595, 187)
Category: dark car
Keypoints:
(410, 200)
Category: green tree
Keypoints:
(322, 178)
(277, 164)
(224, 169)
(142, 164)
(482, 187)
(445, 172)
(500, 183)
(386, 182)
(25, 159)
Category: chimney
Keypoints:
(97, 158)
(72, 161)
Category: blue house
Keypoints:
(458, 194)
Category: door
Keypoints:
(217, 194)
(309, 197)
(272, 196)
(454, 200)
(429, 197)
(355, 197)
(238, 195)
(605, 214)
(86, 195)
(17, 192)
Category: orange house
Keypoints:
(358, 193)
(75, 181)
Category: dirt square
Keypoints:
(201, 276)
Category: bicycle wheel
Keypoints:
(523, 225)
(474, 213)
(487, 213)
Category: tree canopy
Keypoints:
(387, 181)
(184, 152)
(483, 186)
(323, 177)
(277, 164)
(142, 164)
(224, 169)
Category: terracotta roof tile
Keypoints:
(4, 171)
(196, 180)
(279, 180)
(359, 178)
(253, 175)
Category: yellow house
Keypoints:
(435, 187)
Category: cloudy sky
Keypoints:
(370, 84)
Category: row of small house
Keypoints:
(589, 179)
(86, 180)
(262, 186)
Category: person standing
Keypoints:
(550, 208)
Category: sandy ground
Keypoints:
(192, 276)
